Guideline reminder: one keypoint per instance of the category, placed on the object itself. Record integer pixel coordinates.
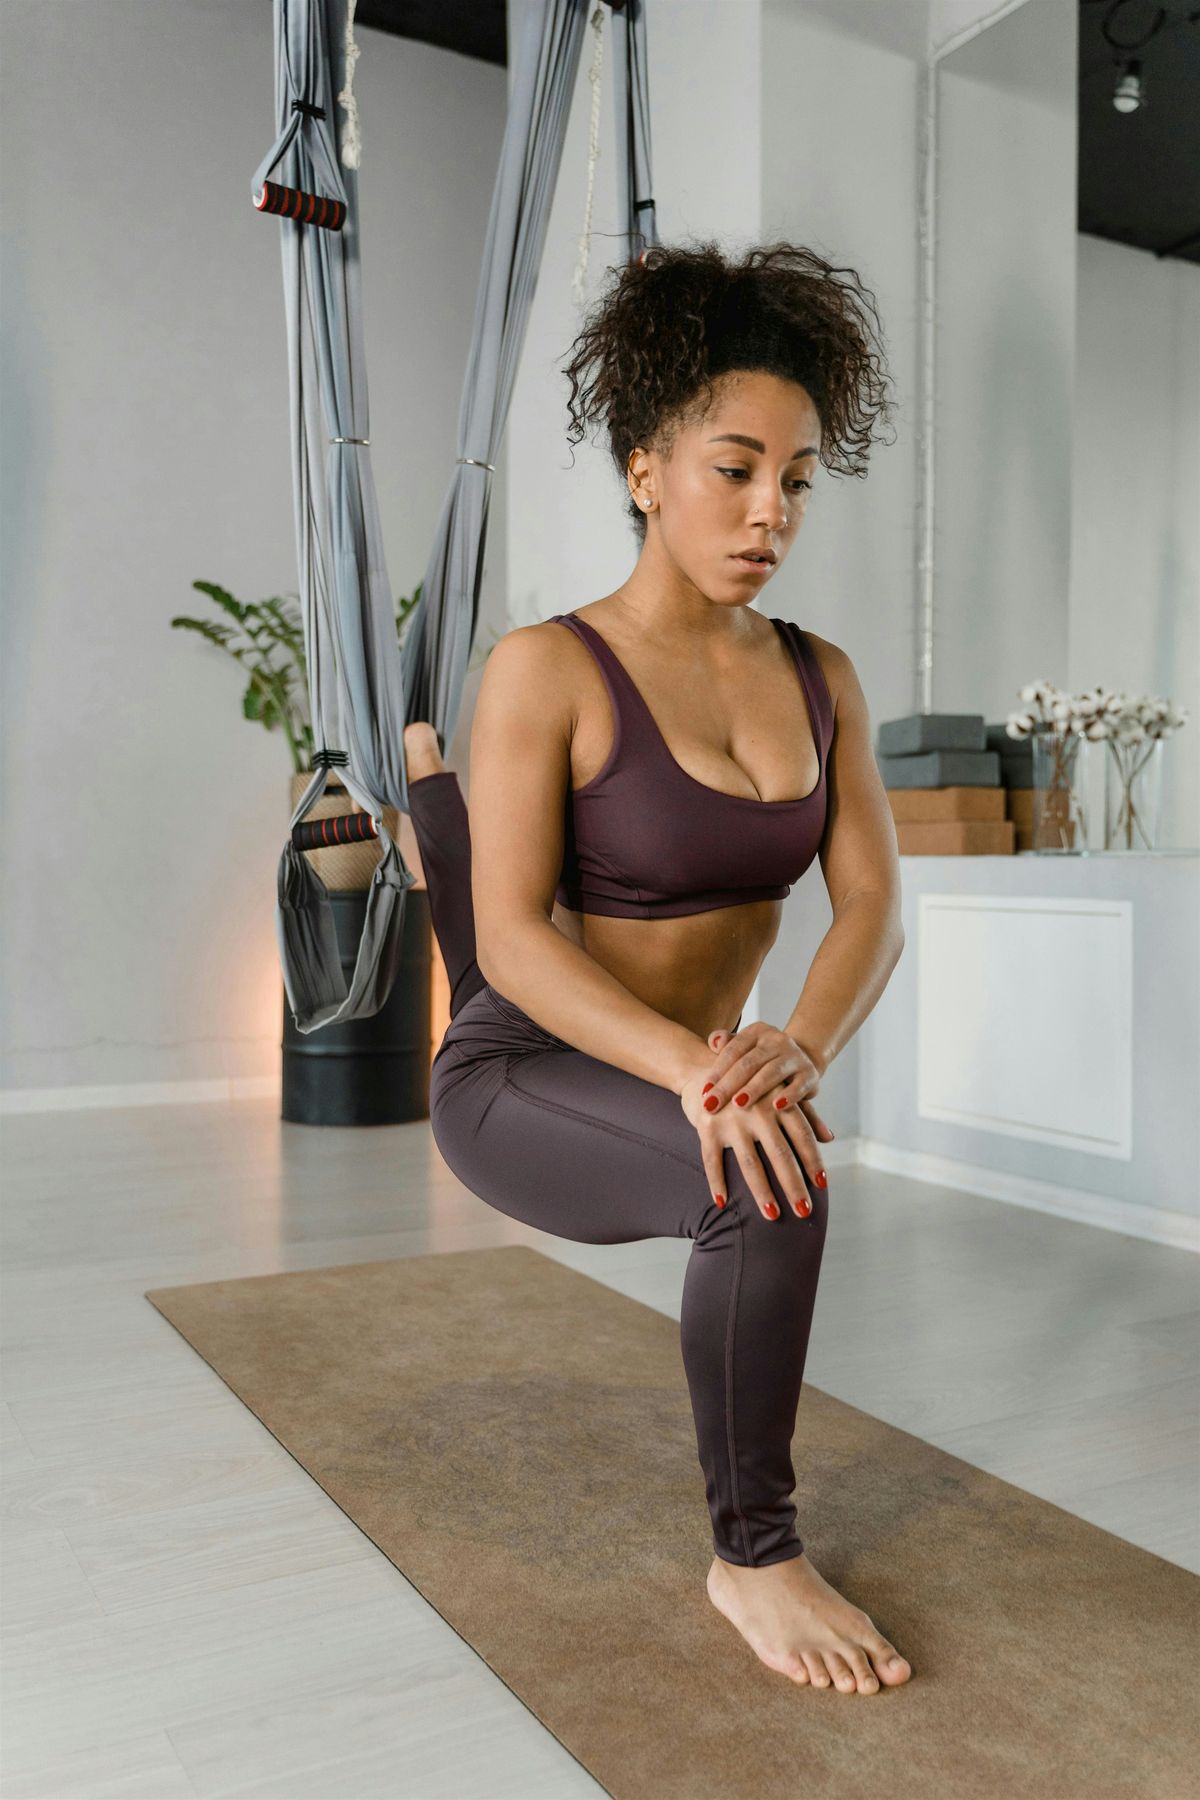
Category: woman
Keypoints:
(649, 775)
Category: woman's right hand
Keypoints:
(786, 1135)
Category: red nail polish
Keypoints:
(712, 1102)
(820, 1179)
(706, 1086)
(781, 1102)
(718, 1199)
(741, 1099)
(771, 1210)
(805, 1208)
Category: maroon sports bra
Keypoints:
(646, 840)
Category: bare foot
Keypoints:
(421, 753)
(796, 1623)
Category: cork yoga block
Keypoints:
(945, 805)
(957, 837)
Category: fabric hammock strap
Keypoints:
(362, 685)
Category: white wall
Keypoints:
(145, 444)
(1004, 362)
(1135, 498)
(569, 542)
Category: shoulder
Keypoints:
(835, 665)
(532, 662)
(527, 650)
(548, 645)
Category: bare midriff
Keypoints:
(697, 969)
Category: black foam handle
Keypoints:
(340, 828)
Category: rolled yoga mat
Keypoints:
(516, 1438)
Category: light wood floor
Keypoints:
(185, 1612)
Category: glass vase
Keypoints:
(1133, 794)
(1059, 811)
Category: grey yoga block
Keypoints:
(998, 739)
(931, 731)
(1016, 757)
(941, 768)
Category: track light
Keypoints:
(1128, 95)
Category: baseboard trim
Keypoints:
(139, 1093)
(1157, 1224)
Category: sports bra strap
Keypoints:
(820, 698)
(600, 648)
(635, 727)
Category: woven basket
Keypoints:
(344, 867)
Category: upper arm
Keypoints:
(520, 774)
(859, 849)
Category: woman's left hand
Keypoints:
(758, 1059)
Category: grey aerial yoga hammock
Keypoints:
(362, 690)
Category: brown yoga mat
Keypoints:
(516, 1438)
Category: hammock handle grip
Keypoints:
(341, 828)
(309, 209)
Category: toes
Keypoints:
(798, 1672)
(864, 1674)
(818, 1674)
(843, 1675)
(422, 750)
(889, 1664)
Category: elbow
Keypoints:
(884, 902)
(885, 912)
(501, 955)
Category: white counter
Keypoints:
(1040, 1038)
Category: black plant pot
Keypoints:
(371, 1071)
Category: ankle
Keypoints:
(750, 1572)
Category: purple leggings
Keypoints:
(582, 1149)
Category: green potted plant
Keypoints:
(266, 638)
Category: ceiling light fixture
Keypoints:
(1127, 95)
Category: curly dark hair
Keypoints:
(666, 327)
